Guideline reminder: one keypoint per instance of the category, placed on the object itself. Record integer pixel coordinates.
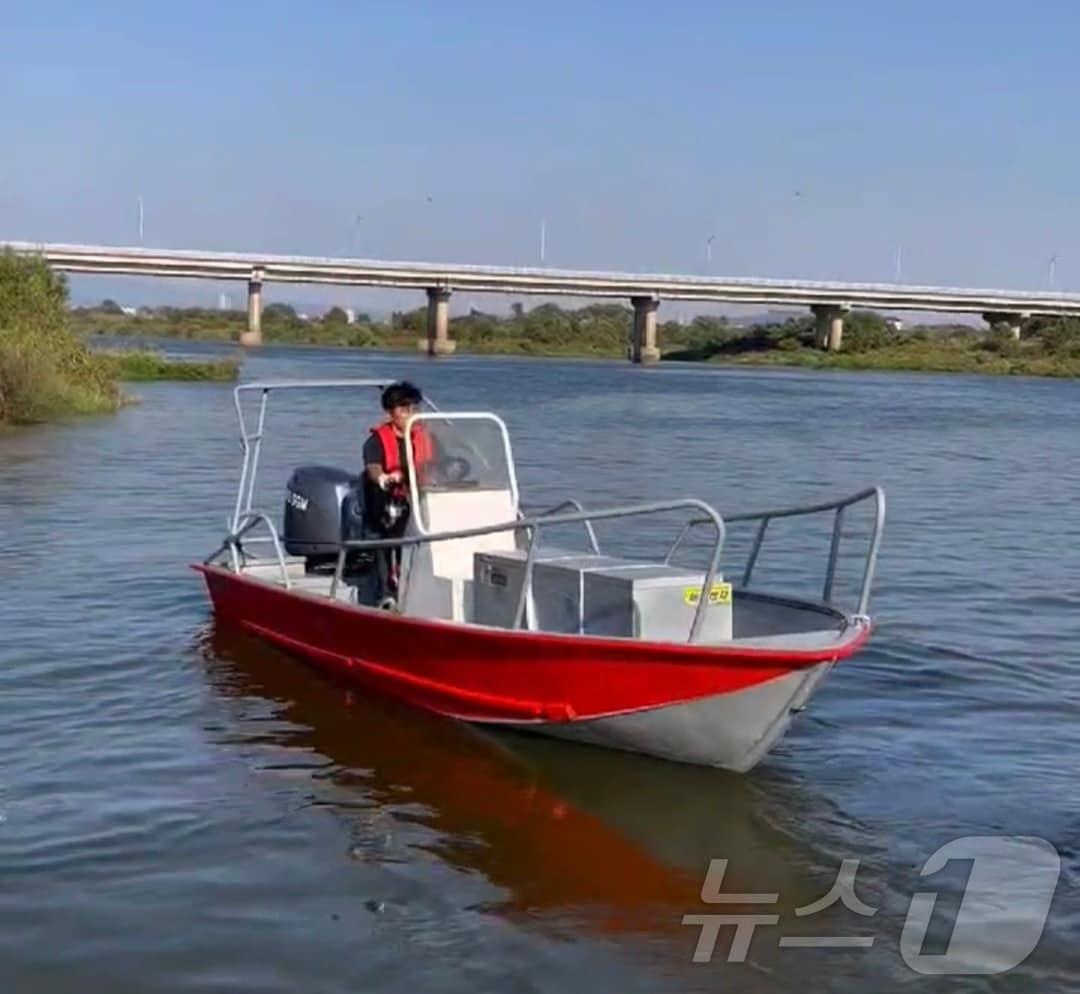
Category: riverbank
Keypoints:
(599, 330)
(145, 366)
(914, 360)
(1048, 346)
(46, 370)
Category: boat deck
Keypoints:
(758, 620)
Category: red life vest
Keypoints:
(422, 449)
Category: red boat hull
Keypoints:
(491, 675)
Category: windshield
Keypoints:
(461, 452)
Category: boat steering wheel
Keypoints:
(454, 469)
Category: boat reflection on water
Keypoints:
(615, 839)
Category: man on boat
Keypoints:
(386, 480)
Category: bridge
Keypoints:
(828, 301)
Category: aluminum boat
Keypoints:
(497, 624)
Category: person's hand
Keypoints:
(386, 479)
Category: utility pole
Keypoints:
(140, 200)
(543, 239)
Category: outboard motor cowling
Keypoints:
(315, 504)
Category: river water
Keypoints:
(185, 809)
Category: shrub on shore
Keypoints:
(143, 366)
(46, 371)
(1049, 346)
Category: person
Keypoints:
(386, 480)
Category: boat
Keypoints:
(497, 625)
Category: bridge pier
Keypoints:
(643, 343)
(830, 325)
(253, 335)
(438, 341)
(1011, 319)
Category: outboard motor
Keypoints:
(323, 505)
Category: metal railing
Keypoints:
(517, 279)
(572, 505)
(838, 507)
(231, 543)
(555, 516)
(251, 441)
(532, 525)
(245, 518)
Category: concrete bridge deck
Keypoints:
(829, 300)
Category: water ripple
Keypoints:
(184, 808)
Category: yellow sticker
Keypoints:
(719, 594)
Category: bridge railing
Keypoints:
(501, 279)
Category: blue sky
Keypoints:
(811, 140)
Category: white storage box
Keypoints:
(599, 595)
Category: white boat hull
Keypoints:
(733, 730)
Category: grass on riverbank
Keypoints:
(46, 371)
(1048, 347)
(915, 358)
(145, 366)
(599, 330)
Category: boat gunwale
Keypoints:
(702, 652)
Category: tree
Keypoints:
(336, 316)
(282, 311)
(110, 306)
(1058, 335)
(865, 330)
